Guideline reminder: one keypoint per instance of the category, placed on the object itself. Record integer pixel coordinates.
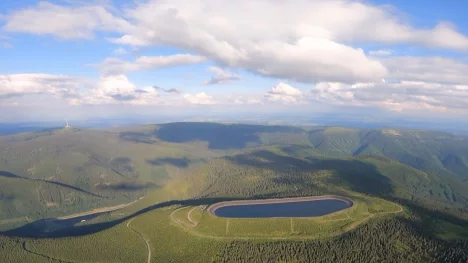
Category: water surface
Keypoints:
(308, 208)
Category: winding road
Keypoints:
(143, 238)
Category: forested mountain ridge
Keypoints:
(106, 167)
(432, 151)
(62, 171)
(56, 172)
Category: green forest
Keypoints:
(410, 188)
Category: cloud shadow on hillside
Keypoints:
(357, 175)
(137, 137)
(12, 175)
(218, 136)
(179, 162)
(128, 186)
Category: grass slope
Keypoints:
(209, 225)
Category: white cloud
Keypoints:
(306, 43)
(414, 83)
(380, 52)
(294, 19)
(285, 89)
(117, 89)
(284, 93)
(116, 86)
(115, 66)
(199, 98)
(221, 76)
(69, 22)
(427, 69)
(310, 41)
(79, 91)
(403, 95)
(129, 40)
(303, 40)
(31, 84)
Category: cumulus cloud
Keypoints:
(403, 95)
(284, 93)
(427, 69)
(221, 76)
(284, 52)
(79, 91)
(309, 41)
(285, 89)
(32, 84)
(414, 83)
(69, 22)
(117, 89)
(217, 22)
(199, 98)
(306, 43)
(115, 66)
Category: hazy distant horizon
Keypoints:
(330, 119)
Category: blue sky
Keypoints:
(108, 58)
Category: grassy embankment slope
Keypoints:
(199, 221)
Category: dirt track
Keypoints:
(148, 248)
(213, 207)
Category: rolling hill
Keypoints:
(60, 171)
(431, 151)
(184, 166)
(85, 169)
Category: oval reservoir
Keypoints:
(311, 207)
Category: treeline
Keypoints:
(224, 178)
(385, 240)
(265, 174)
